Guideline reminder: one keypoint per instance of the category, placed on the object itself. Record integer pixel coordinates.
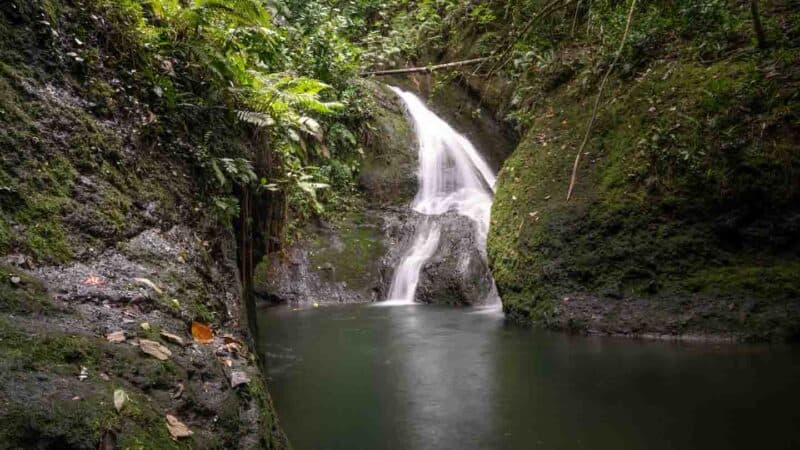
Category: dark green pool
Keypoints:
(421, 377)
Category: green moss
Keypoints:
(115, 207)
(777, 283)
(30, 361)
(36, 205)
(678, 192)
(229, 420)
(151, 332)
(53, 352)
(141, 427)
(271, 434)
(44, 236)
(55, 176)
(5, 236)
(388, 171)
(64, 423)
(11, 106)
(200, 312)
(29, 296)
(102, 95)
(348, 256)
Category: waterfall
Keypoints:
(452, 177)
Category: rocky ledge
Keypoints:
(103, 352)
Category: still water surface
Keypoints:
(423, 377)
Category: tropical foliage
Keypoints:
(283, 69)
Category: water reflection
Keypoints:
(421, 377)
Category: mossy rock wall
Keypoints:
(346, 257)
(98, 192)
(337, 262)
(686, 204)
(388, 175)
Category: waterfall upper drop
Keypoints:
(453, 178)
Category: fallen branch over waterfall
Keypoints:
(425, 68)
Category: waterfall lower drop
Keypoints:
(452, 177)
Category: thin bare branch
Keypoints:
(574, 177)
(426, 69)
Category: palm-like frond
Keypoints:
(252, 13)
(255, 118)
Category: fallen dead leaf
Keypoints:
(94, 280)
(174, 338)
(117, 336)
(104, 376)
(202, 333)
(176, 428)
(238, 378)
(229, 338)
(228, 362)
(233, 347)
(149, 284)
(179, 392)
(155, 349)
(119, 399)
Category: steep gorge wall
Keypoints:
(684, 221)
(104, 228)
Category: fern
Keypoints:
(255, 118)
(238, 12)
(232, 55)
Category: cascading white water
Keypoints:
(452, 177)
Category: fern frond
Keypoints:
(243, 12)
(256, 118)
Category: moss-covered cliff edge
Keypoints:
(684, 221)
(685, 216)
(104, 228)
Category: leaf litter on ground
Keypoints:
(155, 349)
(177, 429)
(202, 333)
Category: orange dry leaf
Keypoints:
(94, 281)
(202, 333)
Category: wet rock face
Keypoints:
(58, 366)
(457, 273)
(354, 259)
(388, 175)
(351, 260)
(342, 262)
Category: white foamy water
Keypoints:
(406, 276)
(452, 177)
